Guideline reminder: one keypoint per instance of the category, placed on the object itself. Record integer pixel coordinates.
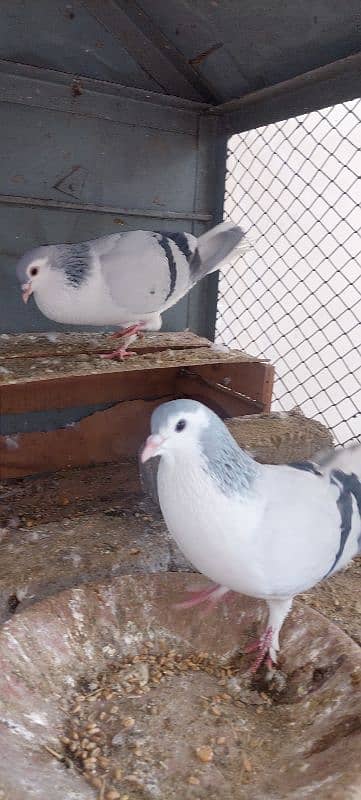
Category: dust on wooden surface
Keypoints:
(16, 370)
(25, 345)
(280, 438)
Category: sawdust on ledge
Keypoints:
(40, 368)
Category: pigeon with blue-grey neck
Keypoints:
(124, 279)
(267, 531)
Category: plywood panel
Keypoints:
(100, 438)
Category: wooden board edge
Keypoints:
(102, 437)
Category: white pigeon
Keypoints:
(125, 279)
(265, 531)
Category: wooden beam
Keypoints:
(222, 402)
(318, 88)
(183, 66)
(58, 345)
(76, 390)
(97, 208)
(69, 379)
(150, 50)
(38, 87)
(230, 390)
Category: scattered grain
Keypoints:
(205, 754)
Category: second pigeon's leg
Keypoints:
(261, 646)
(278, 610)
(267, 645)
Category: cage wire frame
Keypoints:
(295, 298)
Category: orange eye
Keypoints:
(34, 271)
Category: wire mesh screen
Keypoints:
(295, 299)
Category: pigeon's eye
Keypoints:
(34, 271)
(180, 425)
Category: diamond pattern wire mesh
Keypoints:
(295, 299)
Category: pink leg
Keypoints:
(119, 354)
(210, 596)
(129, 331)
(261, 646)
(130, 334)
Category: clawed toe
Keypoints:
(262, 647)
(118, 354)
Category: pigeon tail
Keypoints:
(214, 247)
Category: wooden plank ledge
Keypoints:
(47, 345)
(63, 406)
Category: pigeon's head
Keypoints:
(178, 426)
(33, 271)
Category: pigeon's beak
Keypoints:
(152, 447)
(27, 291)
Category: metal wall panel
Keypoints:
(240, 47)
(63, 35)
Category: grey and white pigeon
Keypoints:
(125, 279)
(265, 531)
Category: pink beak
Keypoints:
(27, 291)
(151, 447)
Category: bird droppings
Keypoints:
(12, 442)
(52, 337)
(12, 603)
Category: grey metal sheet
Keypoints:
(320, 88)
(191, 48)
(65, 36)
(84, 97)
(261, 43)
(149, 54)
(62, 156)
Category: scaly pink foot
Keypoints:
(129, 331)
(130, 335)
(261, 646)
(119, 354)
(210, 596)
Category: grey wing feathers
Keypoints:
(148, 272)
(145, 271)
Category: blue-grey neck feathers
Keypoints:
(74, 260)
(230, 467)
